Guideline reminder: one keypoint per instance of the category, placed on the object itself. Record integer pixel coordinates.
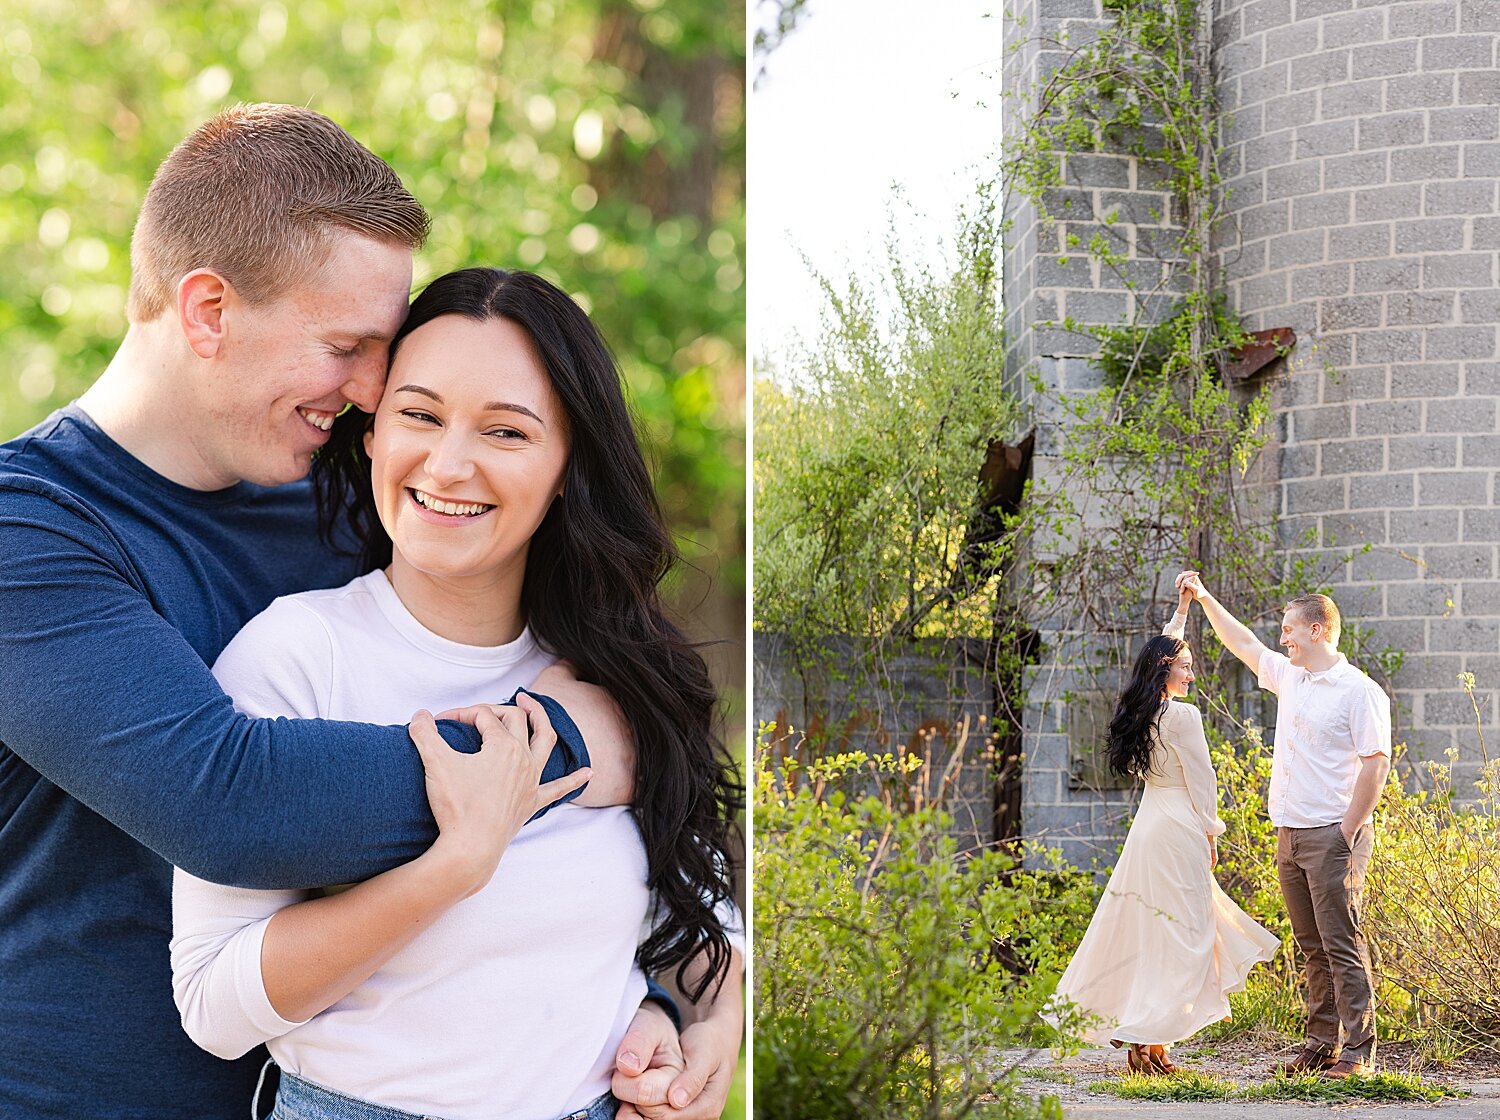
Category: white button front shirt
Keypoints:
(1325, 724)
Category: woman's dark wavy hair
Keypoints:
(591, 597)
(1132, 730)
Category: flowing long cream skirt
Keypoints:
(1166, 946)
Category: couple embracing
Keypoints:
(1166, 946)
(480, 521)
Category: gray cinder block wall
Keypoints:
(1363, 159)
(936, 700)
(1361, 148)
(1063, 800)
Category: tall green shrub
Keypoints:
(1434, 899)
(882, 986)
(867, 453)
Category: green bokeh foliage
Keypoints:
(556, 135)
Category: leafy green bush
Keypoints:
(1433, 900)
(879, 987)
(868, 450)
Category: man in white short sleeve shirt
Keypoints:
(1329, 765)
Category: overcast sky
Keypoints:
(866, 96)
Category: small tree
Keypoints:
(868, 452)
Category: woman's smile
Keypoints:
(444, 511)
(468, 450)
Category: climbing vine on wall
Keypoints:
(1155, 469)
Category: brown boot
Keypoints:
(1307, 1060)
(1342, 1071)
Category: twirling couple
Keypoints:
(1166, 946)
(488, 516)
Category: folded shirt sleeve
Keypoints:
(1271, 673)
(216, 979)
(1370, 721)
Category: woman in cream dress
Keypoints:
(1166, 946)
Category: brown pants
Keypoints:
(1323, 881)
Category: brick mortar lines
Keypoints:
(1394, 204)
(1394, 151)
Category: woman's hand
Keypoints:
(1185, 598)
(316, 952)
(661, 1076)
(481, 800)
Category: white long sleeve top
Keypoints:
(512, 1004)
(1181, 760)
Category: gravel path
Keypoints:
(1069, 1080)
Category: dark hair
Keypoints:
(1133, 728)
(591, 597)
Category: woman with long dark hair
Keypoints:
(509, 523)
(1166, 945)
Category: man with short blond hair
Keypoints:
(259, 194)
(141, 527)
(1328, 767)
(1318, 610)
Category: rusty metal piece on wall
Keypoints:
(1263, 348)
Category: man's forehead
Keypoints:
(351, 316)
(362, 289)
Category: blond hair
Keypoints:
(1319, 609)
(253, 194)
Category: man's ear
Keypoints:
(201, 299)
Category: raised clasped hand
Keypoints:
(1190, 583)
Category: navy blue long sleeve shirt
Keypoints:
(121, 756)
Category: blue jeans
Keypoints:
(304, 1100)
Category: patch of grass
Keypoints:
(1387, 1085)
(1269, 1010)
(1441, 1046)
(1190, 1085)
(1184, 1086)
